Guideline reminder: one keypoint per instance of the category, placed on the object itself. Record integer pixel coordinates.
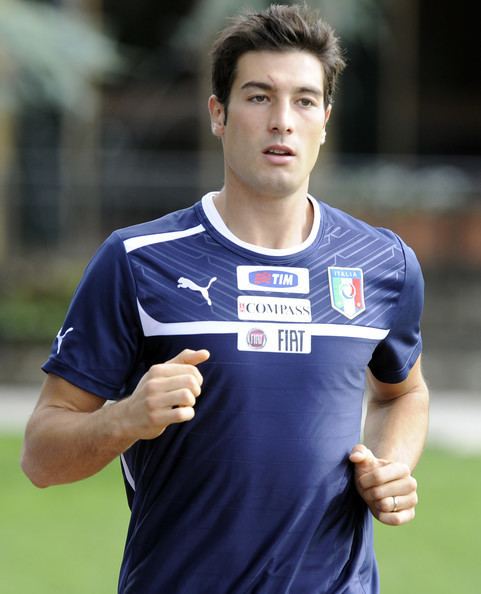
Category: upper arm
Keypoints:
(395, 357)
(414, 382)
(58, 393)
(100, 342)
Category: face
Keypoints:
(276, 122)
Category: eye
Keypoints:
(306, 102)
(258, 99)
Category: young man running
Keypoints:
(236, 337)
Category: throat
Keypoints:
(272, 226)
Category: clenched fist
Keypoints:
(166, 394)
(387, 487)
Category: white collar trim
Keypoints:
(215, 219)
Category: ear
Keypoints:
(327, 114)
(217, 116)
(326, 119)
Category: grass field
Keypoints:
(69, 539)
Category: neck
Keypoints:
(267, 221)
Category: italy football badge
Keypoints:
(347, 290)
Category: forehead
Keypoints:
(293, 68)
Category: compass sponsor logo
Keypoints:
(276, 309)
(273, 279)
(275, 338)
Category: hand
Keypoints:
(166, 394)
(387, 487)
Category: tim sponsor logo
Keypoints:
(272, 279)
(274, 309)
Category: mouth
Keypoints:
(279, 150)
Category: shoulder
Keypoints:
(338, 222)
(336, 218)
(178, 221)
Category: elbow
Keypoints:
(32, 470)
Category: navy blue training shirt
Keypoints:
(255, 495)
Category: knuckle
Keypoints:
(150, 403)
(155, 370)
(396, 519)
(150, 388)
(184, 413)
(186, 397)
(191, 383)
(386, 505)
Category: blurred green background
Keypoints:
(70, 538)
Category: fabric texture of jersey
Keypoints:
(255, 495)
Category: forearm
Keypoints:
(396, 429)
(72, 434)
(63, 446)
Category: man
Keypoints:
(260, 309)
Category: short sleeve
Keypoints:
(394, 357)
(97, 348)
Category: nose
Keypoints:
(281, 118)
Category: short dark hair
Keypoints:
(278, 28)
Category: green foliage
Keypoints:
(27, 320)
(34, 301)
(351, 18)
(51, 55)
(70, 538)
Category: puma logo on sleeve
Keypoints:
(60, 338)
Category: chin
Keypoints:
(282, 189)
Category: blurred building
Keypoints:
(403, 150)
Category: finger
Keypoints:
(360, 454)
(178, 415)
(384, 473)
(403, 487)
(397, 503)
(165, 370)
(364, 460)
(397, 518)
(164, 385)
(190, 357)
(178, 398)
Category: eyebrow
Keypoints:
(253, 84)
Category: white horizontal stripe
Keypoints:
(152, 327)
(348, 331)
(128, 474)
(137, 242)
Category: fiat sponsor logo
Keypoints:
(256, 338)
